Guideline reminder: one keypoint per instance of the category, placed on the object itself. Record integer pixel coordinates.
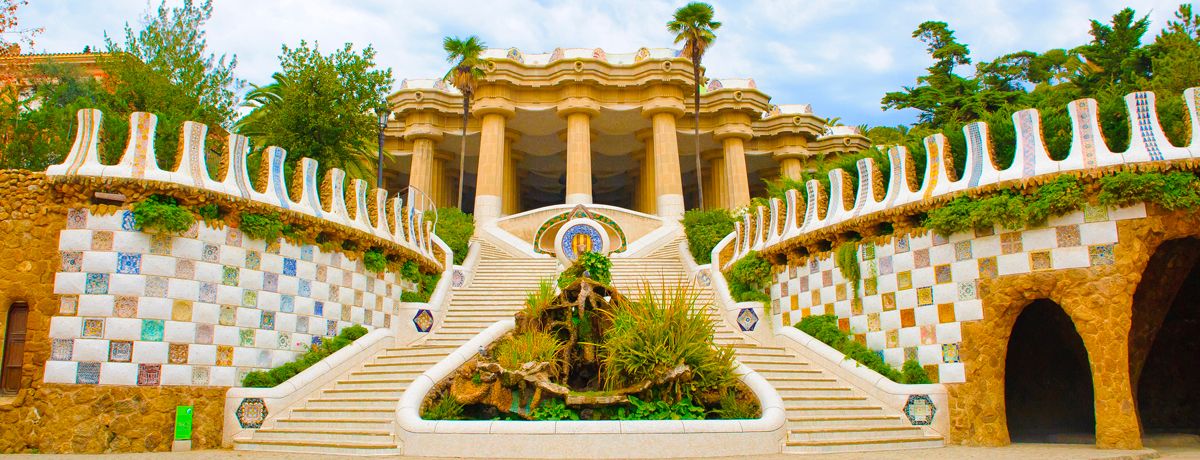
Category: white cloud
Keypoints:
(839, 55)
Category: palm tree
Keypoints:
(465, 75)
(693, 25)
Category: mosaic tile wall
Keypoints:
(916, 291)
(203, 308)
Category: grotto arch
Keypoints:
(1048, 390)
(1165, 340)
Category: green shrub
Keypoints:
(597, 266)
(276, 376)
(208, 211)
(913, 373)
(455, 228)
(162, 213)
(729, 407)
(426, 282)
(537, 300)
(265, 227)
(446, 408)
(847, 263)
(704, 230)
(1008, 208)
(748, 278)
(1177, 190)
(553, 409)
(658, 331)
(684, 409)
(825, 328)
(374, 261)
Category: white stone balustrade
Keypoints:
(804, 214)
(191, 170)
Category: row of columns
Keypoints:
(658, 188)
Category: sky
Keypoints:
(841, 56)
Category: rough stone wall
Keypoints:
(30, 220)
(1099, 301)
(53, 418)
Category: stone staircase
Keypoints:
(824, 413)
(356, 414)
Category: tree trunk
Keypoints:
(462, 153)
(699, 173)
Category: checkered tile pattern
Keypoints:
(917, 291)
(202, 308)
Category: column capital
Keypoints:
(493, 105)
(573, 105)
(444, 155)
(736, 130)
(791, 151)
(644, 135)
(662, 104)
(422, 131)
(562, 135)
(512, 135)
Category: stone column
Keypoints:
(733, 131)
(715, 179)
(668, 185)
(449, 185)
(437, 180)
(512, 190)
(489, 178)
(649, 200)
(443, 184)
(578, 109)
(790, 167)
(419, 129)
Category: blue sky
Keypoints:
(841, 56)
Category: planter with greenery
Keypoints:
(455, 228)
(825, 328)
(590, 265)
(749, 277)
(162, 213)
(276, 376)
(589, 353)
(425, 282)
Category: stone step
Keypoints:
(309, 434)
(814, 422)
(352, 403)
(797, 410)
(853, 433)
(386, 381)
(454, 342)
(318, 447)
(356, 424)
(863, 445)
(759, 364)
(823, 401)
(394, 367)
(412, 357)
(362, 392)
(815, 391)
(322, 413)
(772, 358)
(805, 382)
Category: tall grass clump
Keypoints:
(529, 347)
(654, 334)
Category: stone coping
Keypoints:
(280, 397)
(679, 435)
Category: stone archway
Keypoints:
(1048, 382)
(1165, 339)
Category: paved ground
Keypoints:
(1014, 452)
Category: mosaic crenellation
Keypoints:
(817, 214)
(202, 308)
(326, 200)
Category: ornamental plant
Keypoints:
(162, 213)
(374, 260)
(748, 277)
(825, 328)
(276, 376)
(267, 227)
(704, 229)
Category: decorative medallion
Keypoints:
(704, 278)
(423, 320)
(458, 279)
(580, 238)
(920, 410)
(747, 319)
(251, 413)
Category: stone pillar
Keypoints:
(489, 178)
(420, 130)
(437, 180)
(578, 109)
(649, 200)
(790, 167)
(512, 190)
(449, 185)
(668, 185)
(715, 180)
(733, 131)
(443, 182)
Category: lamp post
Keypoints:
(383, 114)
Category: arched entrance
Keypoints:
(14, 347)
(1047, 382)
(1165, 340)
